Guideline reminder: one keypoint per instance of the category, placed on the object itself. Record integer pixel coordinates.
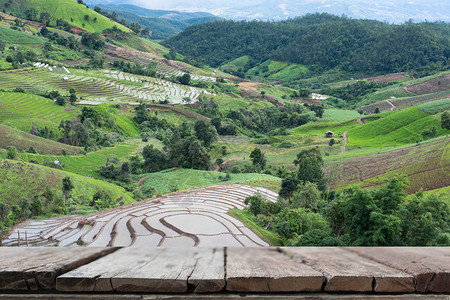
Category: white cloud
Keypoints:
(283, 8)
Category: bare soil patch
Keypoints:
(438, 84)
(387, 78)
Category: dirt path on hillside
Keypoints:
(360, 121)
(216, 168)
(392, 105)
(141, 181)
(345, 142)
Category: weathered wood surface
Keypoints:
(430, 267)
(349, 272)
(37, 268)
(209, 270)
(233, 296)
(161, 270)
(268, 270)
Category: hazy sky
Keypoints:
(386, 10)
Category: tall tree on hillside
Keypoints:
(310, 165)
(205, 132)
(258, 159)
(445, 120)
(67, 187)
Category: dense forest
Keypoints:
(322, 42)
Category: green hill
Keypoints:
(21, 182)
(321, 42)
(21, 110)
(395, 128)
(77, 15)
(11, 36)
(23, 141)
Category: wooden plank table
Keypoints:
(162, 270)
(349, 272)
(228, 271)
(430, 267)
(37, 268)
(268, 270)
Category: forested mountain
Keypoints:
(162, 23)
(320, 41)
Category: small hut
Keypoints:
(329, 134)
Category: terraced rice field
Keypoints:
(401, 103)
(112, 87)
(20, 110)
(187, 219)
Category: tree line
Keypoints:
(322, 41)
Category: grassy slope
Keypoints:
(65, 9)
(249, 220)
(235, 65)
(394, 128)
(22, 141)
(19, 111)
(86, 164)
(184, 179)
(333, 115)
(11, 36)
(426, 165)
(435, 107)
(19, 179)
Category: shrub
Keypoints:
(11, 152)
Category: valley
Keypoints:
(247, 134)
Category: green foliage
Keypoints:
(205, 132)
(292, 223)
(10, 36)
(394, 128)
(310, 164)
(185, 79)
(352, 93)
(11, 152)
(28, 190)
(186, 179)
(258, 159)
(321, 41)
(60, 13)
(435, 107)
(154, 159)
(445, 120)
(93, 41)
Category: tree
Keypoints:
(154, 159)
(366, 223)
(45, 19)
(332, 142)
(187, 100)
(73, 98)
(2, 46)
(185, 79)
(258, 159)
(86, 17)
(445, 120)
(67, 187)
(205, 132)
(377, 110)
(60, 100)
(146, 32)
(307, 196)
(310, 165)
(93, 40)
(11, 152)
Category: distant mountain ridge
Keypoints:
(389, 11)
(162, 23)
